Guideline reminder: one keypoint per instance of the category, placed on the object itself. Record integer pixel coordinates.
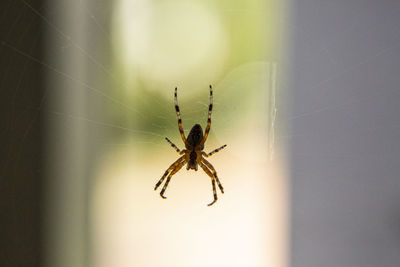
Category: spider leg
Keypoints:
(177, 168)
(174, 146)
(211, 167)
(178, 114)
(213, 152)
(207, 130)
(206, 170)
(173, 165)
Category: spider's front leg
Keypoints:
(206, 170)
(173, 166)
(177, 168)
(211, 167)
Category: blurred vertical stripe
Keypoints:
(21, 134)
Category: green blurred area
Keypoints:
(232, 45)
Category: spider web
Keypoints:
(80, 101)
(98, 90)
(92, 93)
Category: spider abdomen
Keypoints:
(195, 136)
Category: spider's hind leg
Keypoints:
(178, 114)
(207, 130)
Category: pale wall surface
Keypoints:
(344, 145)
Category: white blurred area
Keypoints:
(161, 44)
(247, 226)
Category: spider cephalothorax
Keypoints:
(193, 155)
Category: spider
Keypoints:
(193, 155)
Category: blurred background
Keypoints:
(305, 97)
(103, 111)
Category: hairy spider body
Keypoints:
(193, 155)
(193, 140)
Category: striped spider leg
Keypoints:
(193, 154)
